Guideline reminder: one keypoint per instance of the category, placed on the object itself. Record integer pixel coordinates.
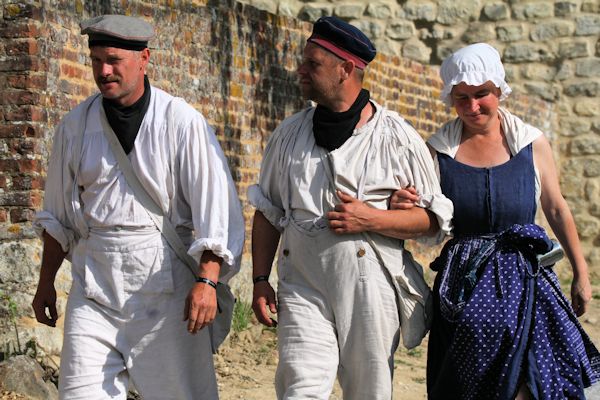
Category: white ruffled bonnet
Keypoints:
(474, 65)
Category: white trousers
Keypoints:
(145, 340)
(338, 314)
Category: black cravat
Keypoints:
(332, 129)
(126, 121)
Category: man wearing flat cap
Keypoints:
(347, 289)
(135, 314)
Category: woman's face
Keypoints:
(476, 106)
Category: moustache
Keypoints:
(109, 79)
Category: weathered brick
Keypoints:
(18, 97)
(18, 130)
(18, 215)
(18, 47)
(10, 29)
(15, 11)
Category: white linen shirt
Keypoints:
(176, 157)
(294, 182)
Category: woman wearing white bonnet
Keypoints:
(502, 328)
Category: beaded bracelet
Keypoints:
(260, 278)
(201, 279)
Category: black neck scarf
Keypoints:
(126, 120)
(332, 129)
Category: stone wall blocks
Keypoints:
(583, 146)
(510, 32)
(587, 107)
(373, 29)
(20, 10)
(591, 168)
(565, 71)
(416, 50)
(380, 10)
(269, 6)
(588, 88)
(496, 11)
(527, 52)
(539, 72)
(441, 32)
(565, 8)
(573, 49)
(570, 127)
(533, 10)
(452, 12)
(400, 30)
(312, 12)
(349, 11)
(589, 67)
(587, 227)
(420, 10)
(590, 6)
(587, 25)
(387, 46)
(551, 30)
(479, 32)
(446, 49)
(546, 91)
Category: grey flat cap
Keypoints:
(118, 31)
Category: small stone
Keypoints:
(479, 32)
(496, 11)
(591, 168)
(546, 91)
(587, 108)
(533, 10)
(551, 30)
(590, 89)
(510, 33)
(451, 12)
(526, 53)
(416, 50)
(573, 49)
(417, 10)
(587, 25)
(379, 10)
(592, 6)
(588, 68)
(400, 30)
(313, 13)
(570, 127)
(349, 11)
(585, 146)
(564, 8)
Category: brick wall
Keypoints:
(234, 63)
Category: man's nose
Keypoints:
(106, 69)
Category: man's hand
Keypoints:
(404, 199)
(264, 296)
(581, 294)
(350, 216)
(200, 307)
(45, 299)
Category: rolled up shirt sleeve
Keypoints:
(210, 192)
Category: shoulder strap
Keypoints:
(154, 210)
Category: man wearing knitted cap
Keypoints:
(138, 189)
(347, 289)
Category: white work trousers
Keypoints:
(337, 314)
(145, 339)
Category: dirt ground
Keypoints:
(246, 363)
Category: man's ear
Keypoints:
(348, 67)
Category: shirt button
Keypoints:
(361, 252)
(286, 252)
